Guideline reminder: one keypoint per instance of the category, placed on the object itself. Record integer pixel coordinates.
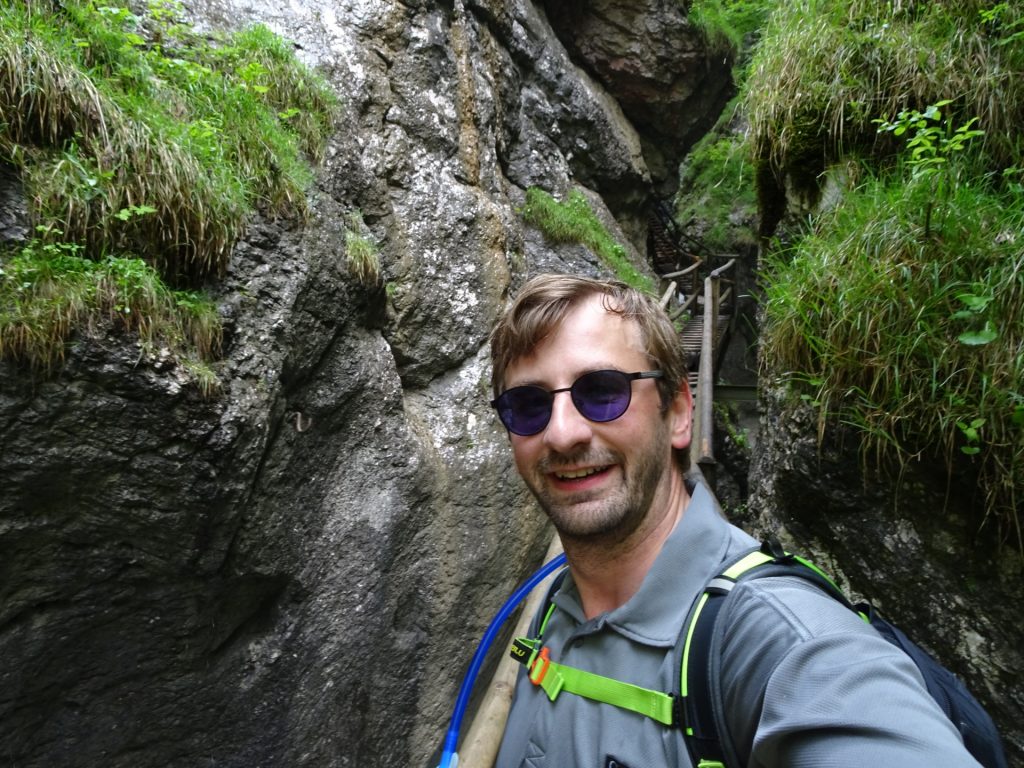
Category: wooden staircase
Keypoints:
(692, 337)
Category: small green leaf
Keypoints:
(986, 335)
(974, 302)
(1018, 416)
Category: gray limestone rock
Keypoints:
(296, 572)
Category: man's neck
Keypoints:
(608, 575)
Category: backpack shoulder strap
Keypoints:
(704, 716)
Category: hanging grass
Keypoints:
(826, 68)
(574, 221)
(918, 341)
(105, 110)
(143, 148)
(47, 291)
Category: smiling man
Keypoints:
(590, 382)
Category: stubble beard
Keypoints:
(603, 516)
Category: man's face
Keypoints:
(597, 480)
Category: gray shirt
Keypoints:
(806, 682)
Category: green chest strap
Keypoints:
(557, 678)
(668, 709)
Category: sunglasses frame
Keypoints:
(628, 377)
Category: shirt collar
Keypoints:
(690, 556)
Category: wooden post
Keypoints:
(479, 748)
(667, 296)
(706, 382)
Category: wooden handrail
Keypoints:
(723, 269)
(683, 272)
(702, 450)
(479, 748)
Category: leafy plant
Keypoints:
(976, 308)
(971, 435)
(933, 144)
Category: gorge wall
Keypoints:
(913, 540)
(295, 573)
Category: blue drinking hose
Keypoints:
(449, 757)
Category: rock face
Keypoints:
(657, 65)
(295, 573)
(908, 542)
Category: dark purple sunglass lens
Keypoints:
(525, 410)
(602, 395)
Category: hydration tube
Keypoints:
(449, 757)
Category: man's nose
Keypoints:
(567, 427)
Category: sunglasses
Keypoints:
(598, 395)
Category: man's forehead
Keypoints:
(601, 335)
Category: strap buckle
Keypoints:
(541, 665)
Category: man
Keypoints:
(590, 382)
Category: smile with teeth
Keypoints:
(579, 474)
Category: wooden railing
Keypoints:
(717, 290)
(702, 450)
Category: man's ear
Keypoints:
(680, 414)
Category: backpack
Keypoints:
(697, 712)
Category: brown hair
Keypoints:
(545, 300)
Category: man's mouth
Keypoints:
(578, 474)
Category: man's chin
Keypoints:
(586, 518)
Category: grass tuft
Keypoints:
(108, 113)
(48, 290)
(573, 221)
(137, 136)
(826, 68)
(361, 251)
(913, 338)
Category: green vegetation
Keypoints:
(361, 251)
(717, 180)
(728, 418)
(47, 289)
(139, 139)
(899, 306)
(729, 24)
(573, 221)
(825, 69)
(903, 312)
(716, 199)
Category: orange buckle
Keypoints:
(540, 667)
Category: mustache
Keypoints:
(553, 461)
